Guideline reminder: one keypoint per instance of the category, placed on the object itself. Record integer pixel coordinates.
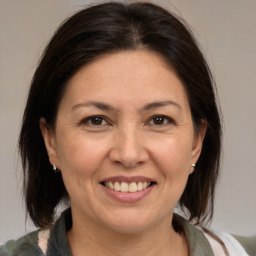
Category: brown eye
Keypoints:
(160, 120)
(96, 120)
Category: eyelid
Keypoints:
(170, 120)
(87, 119)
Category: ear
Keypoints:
(49, 141)
(198, 143)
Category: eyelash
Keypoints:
(165, 118)
(89, 120)
(164, 121)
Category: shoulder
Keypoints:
(49, 242)
(24, 246)
(234, 245)
(249, 243)
(203, 242)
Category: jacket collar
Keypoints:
(198, 243)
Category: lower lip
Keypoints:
(127, 197)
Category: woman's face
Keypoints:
(124, 142)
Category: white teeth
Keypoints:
(133, 187)
(117, 186)
(140, 186)
(111, 185)
(125, 187)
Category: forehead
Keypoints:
(126, 76)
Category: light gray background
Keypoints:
(227, 33)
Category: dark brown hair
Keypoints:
(88, 34)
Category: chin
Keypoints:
(131, 222)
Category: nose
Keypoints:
(128, 149)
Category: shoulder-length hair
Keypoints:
(91, 33)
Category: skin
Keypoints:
(128, 141)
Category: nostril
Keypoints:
(117, 162)
(127, 163)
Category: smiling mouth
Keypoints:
(125, 187)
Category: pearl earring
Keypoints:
(54, 168)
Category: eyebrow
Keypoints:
(98, 105)
(147, 107)
(158, 104)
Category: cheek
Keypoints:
(80, 163)
(80, 156)
(174, 155)
(173, 161)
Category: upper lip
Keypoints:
(128, 179)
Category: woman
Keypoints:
(121, 122)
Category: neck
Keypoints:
(158, 240)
